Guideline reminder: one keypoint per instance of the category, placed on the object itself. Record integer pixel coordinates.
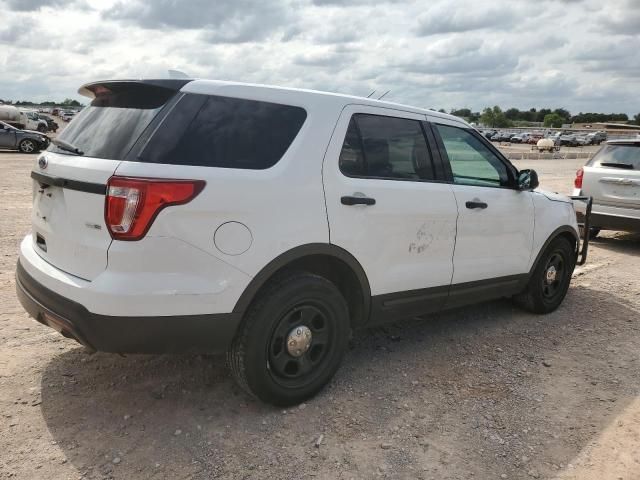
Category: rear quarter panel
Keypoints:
(282, 206)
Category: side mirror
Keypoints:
(527, 180)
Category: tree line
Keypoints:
(68, 102)
(496, 117)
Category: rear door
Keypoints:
(68, 226)
(612, 176)
(387, 207)
(495, 221)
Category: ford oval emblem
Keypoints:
(43, 162)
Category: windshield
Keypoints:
(7, 126)
(114, 121)
(622, 154)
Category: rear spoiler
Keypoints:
(585, 216)
(90, 89)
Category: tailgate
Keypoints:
(69, 181)
(612, 186)
(68, 224)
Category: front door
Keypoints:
(495, 221)
(388, 209)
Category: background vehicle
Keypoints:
(360, 205)
(533, 138)
(52, 125)
(612, 178)
(25, 141)
(568, 139)
(22, 119)
(67, 116)
(596, 138)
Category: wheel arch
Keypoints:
(326, 260)
(566, 231)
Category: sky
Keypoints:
(582, 55)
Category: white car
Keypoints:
(207, 216)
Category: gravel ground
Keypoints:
(482, 392)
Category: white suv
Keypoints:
(205, 216)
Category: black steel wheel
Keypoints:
(292, 339)
(549, 280)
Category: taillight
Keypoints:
(132, 204)
(578, 181)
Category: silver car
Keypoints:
(612, 178)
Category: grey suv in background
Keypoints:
(612, 178)
(26, 141)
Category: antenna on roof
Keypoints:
(384, 94)
(369, 96)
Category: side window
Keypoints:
(351, 157)
(225, 132)
(472, 163)
(385, 147)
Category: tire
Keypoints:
(42, 129)
(28, 146)
(546, 291)
(260, 357)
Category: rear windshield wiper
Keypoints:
(67, 147)
(627, 166)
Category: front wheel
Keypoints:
(28, 146)
(550, 279)
(292, 339)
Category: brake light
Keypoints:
(578, 181)
(132, 204)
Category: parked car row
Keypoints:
(570, 139)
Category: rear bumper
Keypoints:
(164, 334)
(607, 217)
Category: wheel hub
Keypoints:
(550, 274)
(298, 341)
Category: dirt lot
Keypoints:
(483, 392)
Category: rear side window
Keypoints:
(225, 132)
(114, 121)
(617, 156)
(378, 146)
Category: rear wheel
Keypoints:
(550, 279)
(28, 146)
(292, 339)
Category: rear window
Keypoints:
(116, 118)
(213, 131)
(627, 156)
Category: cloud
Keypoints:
(441, 18)
(222, 21)
(35, 5)
(621, 18)
(444, 53)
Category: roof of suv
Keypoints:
(248, 90)
(214, 86)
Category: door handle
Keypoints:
(475, 204)
(351, 200)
